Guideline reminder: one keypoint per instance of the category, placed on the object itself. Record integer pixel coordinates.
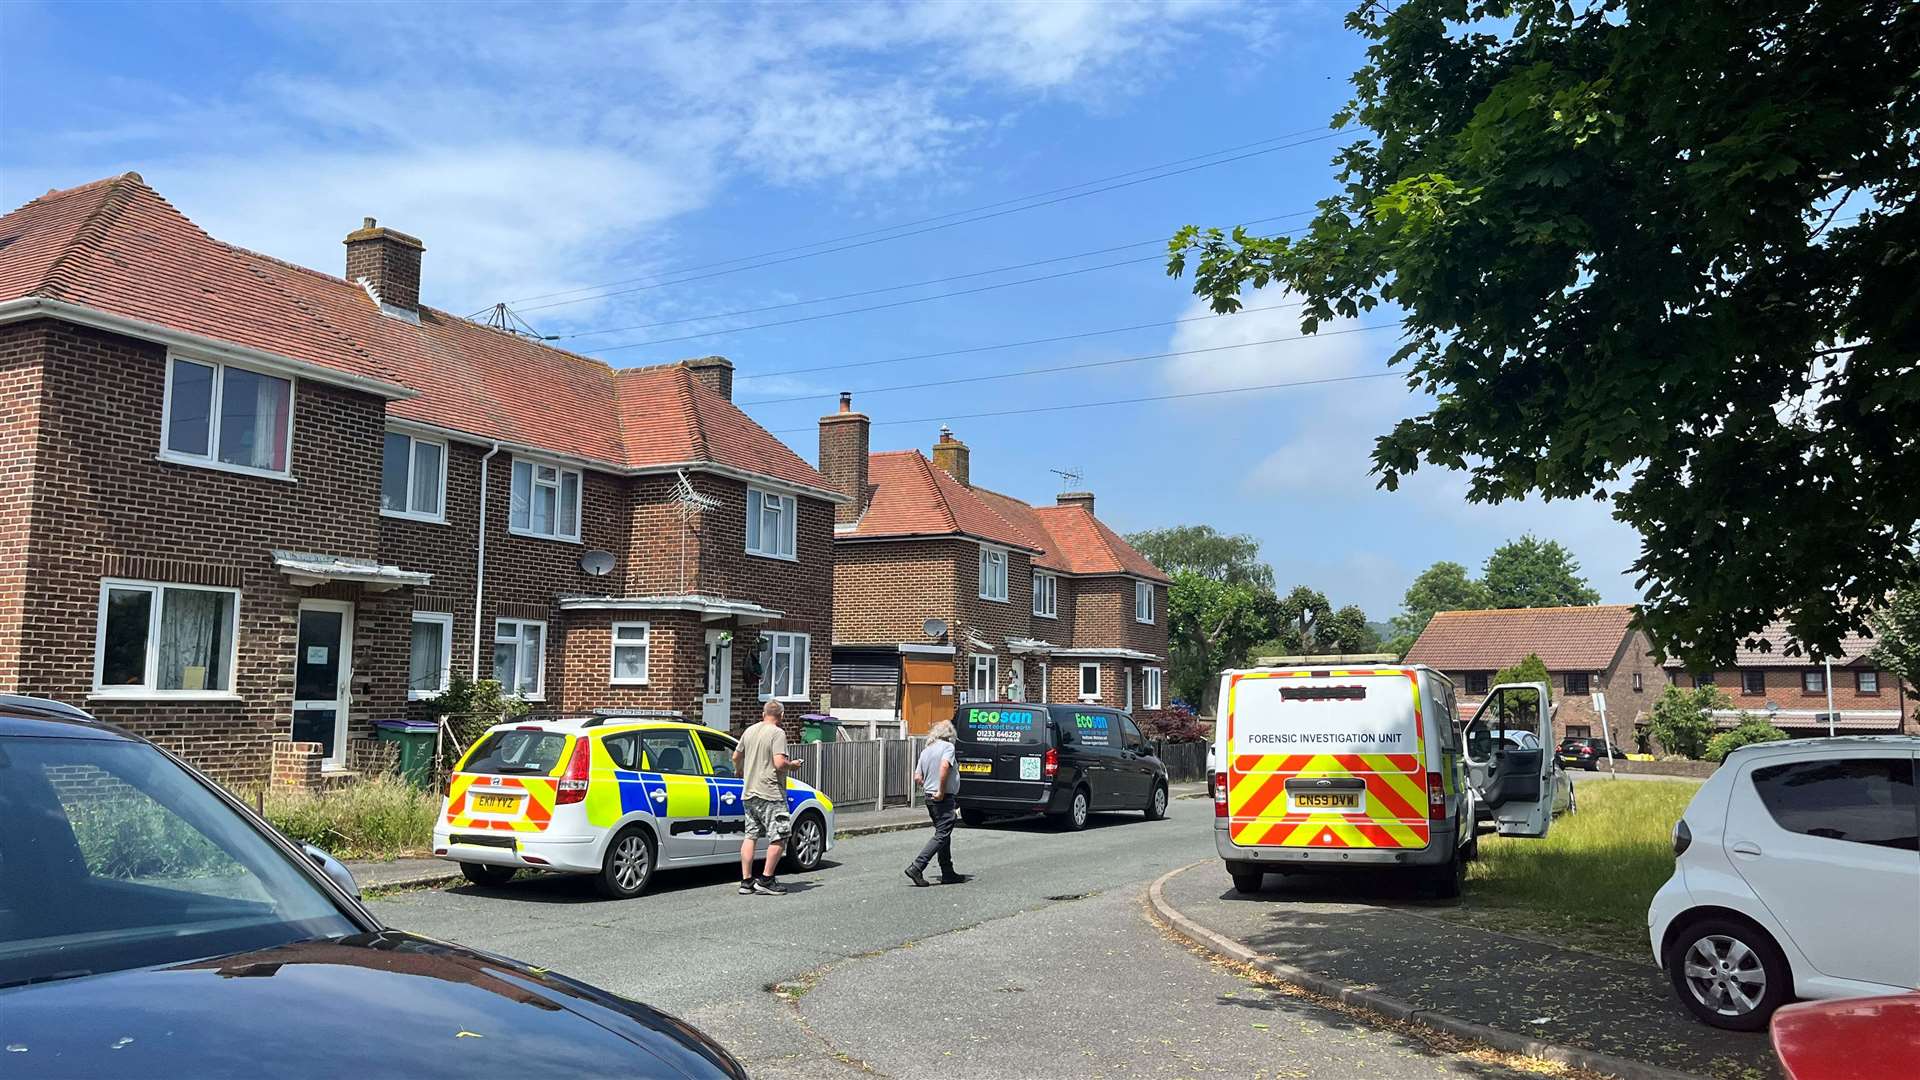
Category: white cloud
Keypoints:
(1338, 349)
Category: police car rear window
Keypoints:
(996, 725)
(517, 752)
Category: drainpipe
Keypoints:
(480, 560)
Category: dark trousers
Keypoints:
(940, 844)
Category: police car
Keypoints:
(615, 798)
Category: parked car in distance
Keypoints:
(1796, 874)
(1065, 761)
(151, 925)
(617, 798)
(1587, 752)
(1855, 1039)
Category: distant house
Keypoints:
(1585, 649)
(1793, 692)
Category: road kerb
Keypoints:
(1392, 1007)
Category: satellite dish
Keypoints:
(597, 563)
(934, 628)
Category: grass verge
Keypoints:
(380, 817)
(1589, 882)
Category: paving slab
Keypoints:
(1373, 932)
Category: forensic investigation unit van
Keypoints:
(1369, 767)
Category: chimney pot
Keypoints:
(846, 401)
(369, 223)
(715, 371)
(388, 262)
(952, 456)
(843, 458)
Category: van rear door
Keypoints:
(1512, 775)
(1000, 750)
(1326, 758)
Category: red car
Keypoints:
(1849, 1039)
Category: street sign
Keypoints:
(1599, 702)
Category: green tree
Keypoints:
(1896, 631)
(1662, 254)
(1211, 625)
(1444, 586)
(1682, 720)
(1348, 631)
(1301, 616)
(1531, 670)
(1530, 573)
(1232, 559)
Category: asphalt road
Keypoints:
(1044, 965)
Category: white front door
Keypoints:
(323, 676)
(716, 706)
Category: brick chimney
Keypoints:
(1081, 499)
(951, 455)
(843, 458)
(387, 262)
(715, 371)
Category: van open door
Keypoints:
(1509, 751)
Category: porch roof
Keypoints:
(709, 608)
(306, 568)
(1106, 654)
(1030, 645)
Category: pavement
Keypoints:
(1044, 964)
(1373, 933)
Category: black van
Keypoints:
(1066, 761)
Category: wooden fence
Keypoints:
(869, 774)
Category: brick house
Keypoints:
(1792, 692)
(250, 509)
(1585, 649)
(946, 591)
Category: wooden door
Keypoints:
(926, 692)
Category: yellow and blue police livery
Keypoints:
(614, 798)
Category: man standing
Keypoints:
(936, 774)
(762, 761)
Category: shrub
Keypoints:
(1682, 720)
(470, 707)
(379, 817)
(1751, 729)
(1175, 725)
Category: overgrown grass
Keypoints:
(1589, 882)
(378, 818)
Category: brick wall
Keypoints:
(1784, 687)
(21, 349)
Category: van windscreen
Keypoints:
(1000, 725)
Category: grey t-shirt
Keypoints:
(937, 751)
(760, 780)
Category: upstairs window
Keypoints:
(771, 524)
(993, 574)
(1813, 681)
(1046, 594)
(1143, 601)
(227, 418)
(1866, 682)
(1476, 682)
(413, 478)
(546, 501)
(1577, 682)
(1753, 681)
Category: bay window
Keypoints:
(413, 478)
(771, 524)
(430, 655)
(546, 501)
(783, 666)
(227, 418)
(519, 653)
(157, 640)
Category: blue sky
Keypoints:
(542, 150)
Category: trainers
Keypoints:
(768, 887)
(919, 880)
(746, 887)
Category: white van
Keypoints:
(1324, 768)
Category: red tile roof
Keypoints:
(1565, 638)
(117, 246)
(1853, 648)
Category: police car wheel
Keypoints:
(628, 865)
(807, 845)
(485, 874)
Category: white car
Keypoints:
(1796, 875)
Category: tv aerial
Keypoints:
(1069, 478)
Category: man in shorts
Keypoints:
(762, 761)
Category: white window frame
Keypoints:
(1126, 676)
(1156, 688)
(438, 515)
(993, 583)
(211, 459)
(518, 640)
(990, 664)
(800, 647)
(644, 643)
(559, 486)
(445, 621)
(146, 690)
(786, 508)
(1143, 597)
(1046, 594)
(1084, 668)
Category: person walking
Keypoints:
(762, 762)
(940, 779)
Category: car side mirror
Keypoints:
(333, 868)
